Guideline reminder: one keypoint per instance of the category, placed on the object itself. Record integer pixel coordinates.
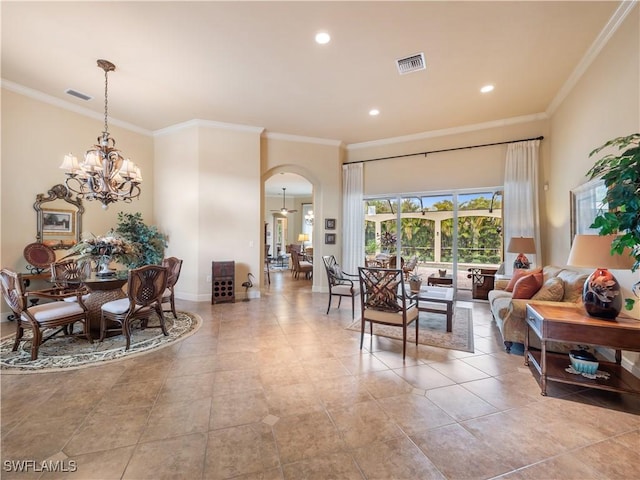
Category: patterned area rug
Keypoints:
(64, 353)
(432, 330)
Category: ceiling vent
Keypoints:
(77, 94)
(412, 63)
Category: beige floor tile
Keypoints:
(280, 374)
(396, 458)
(324, 368)
(364, 423)
(414, 413)
(104, 465)
(385, 384)
(292, 399)
(441, 445)
(423, 376)
(341, 392)
(361, 363)
(459, 371)
(242, 450)
(181, 418)
(186, 388)
(497, 393)
(335, 465)
(307, 436)
(236, 381)
(238, 409)
(178, 457)
(459, 403)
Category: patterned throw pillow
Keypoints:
(551, 291)
(527, 286)
(385, 299)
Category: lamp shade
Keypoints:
(521, 245)
(303, 237)
(601, 292)
(595, 251)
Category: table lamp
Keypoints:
(303, 237)
(601, 292)
(521, 245)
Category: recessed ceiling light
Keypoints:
(374, 111)
(322, 38)
(487, 88)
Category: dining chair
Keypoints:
(68, 274)
(145, 288)
(384, 300)
(173, 265)
(410, 266)
(57, 316)
(341, 284)
(301, 266)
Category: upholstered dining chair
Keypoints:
(341, 284)
(68, 274)
(384, 300)
(301, 266)
(145, 288)
(410, 266)
(57, 316)
(174, 265)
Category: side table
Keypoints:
(569, 324)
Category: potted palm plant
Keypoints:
(621, 175)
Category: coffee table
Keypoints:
(428, 296)
(434, 279)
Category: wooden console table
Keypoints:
(571, 325)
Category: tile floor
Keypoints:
(275, 389)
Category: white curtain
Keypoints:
(521, 210)
(352, 217)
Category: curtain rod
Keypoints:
(446, 150)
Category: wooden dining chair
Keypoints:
(341, 284)
(174, 266)
(145, 288)
(53, 317)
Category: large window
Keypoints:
(445, 231)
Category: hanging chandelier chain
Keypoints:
(106, 101)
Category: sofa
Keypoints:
(556, 286)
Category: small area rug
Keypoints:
(432, 330)
(66, 353)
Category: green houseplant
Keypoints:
(621, 175)
(150, 242)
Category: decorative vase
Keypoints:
(601, 294)
(103, 267)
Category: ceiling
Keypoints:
(257, 64)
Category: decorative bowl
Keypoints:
(583, 361)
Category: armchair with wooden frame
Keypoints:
(145, 288)
(173, 265)
(341, 284)
(67, 275)
(57, 315)
(384, 300)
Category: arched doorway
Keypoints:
(288, 218)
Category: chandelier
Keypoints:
(104, 174)
(308, 218)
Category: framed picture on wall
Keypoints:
(586, 203)
(58, 222)
(330, 238)
(330, 223)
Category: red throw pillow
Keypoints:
(518, 273)
(527, 286)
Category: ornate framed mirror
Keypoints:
(58, 218)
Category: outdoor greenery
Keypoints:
(479, 237)
(621, 175)
(149, 241)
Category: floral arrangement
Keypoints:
(388, 240)
(108, 247)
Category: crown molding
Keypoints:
(302, 139)
(598, 44)
(198, 123)
(57, 102)
(450, 131)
